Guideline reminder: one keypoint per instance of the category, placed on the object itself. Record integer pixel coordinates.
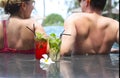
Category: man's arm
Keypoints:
(117, 40)
(68, 37)
(117, 36)
(116, 24)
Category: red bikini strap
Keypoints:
(5, 34)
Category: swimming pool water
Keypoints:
(54, 29)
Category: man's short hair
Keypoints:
(97, 4)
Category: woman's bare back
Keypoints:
(18, 35)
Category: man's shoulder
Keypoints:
(77, 16)
(108, 18)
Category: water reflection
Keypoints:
(51, 71)
(93, 66)
(39, 72)
(54, 70)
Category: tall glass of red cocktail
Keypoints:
(41, 46)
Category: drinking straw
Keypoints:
(33, 31)
(64, 34)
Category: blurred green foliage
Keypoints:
(53, 20)
(109, 6)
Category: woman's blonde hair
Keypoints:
(12, 6)
(4, 2)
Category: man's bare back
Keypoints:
(90, 33)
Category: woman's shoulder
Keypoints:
(22, 21)
(26, 20)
